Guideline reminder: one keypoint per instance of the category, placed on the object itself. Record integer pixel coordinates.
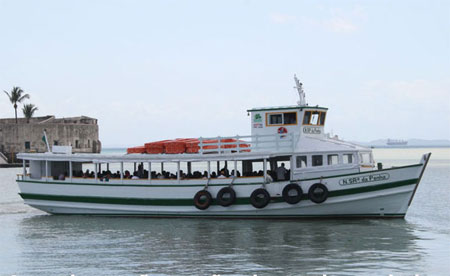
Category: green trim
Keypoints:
(211, 185)
(286, 108)
(189, 201)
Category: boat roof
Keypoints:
(305, 145)
(285, 107)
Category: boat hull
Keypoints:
(379, 193)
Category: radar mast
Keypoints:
(301, 93)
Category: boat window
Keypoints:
(290, 118)
(347, 158)
(275, 119)
(306, 117)
(301, 161)
(333, 159)
(317, 160)
(316, 118)
(322, 118)
(364, 158)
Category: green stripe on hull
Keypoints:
(189, 201)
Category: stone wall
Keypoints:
(79, 132)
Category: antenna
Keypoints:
(301, 93)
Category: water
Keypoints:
(34, 243)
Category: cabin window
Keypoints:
(275, 119)
(316, 118)
(307, 117)
(322, 118)
(333, 159)
(317, 160)
(347, 158)
(27, 145)
(364, 158)
(301, 161)
(290, 118)
(287, 118)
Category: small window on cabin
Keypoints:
(364, 158)
(317, 160)
(306, 117)
(275, 119)
(27, 145)
(322, 118)
(333, 159)
(290, 118)
(347, 158)
(301, 161)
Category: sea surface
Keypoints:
(35, 243)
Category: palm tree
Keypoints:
(16, 96)
(28, 111)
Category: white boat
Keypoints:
(323, 176)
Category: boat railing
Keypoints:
(248, 143)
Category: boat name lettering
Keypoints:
(312, 130)
(364, 179)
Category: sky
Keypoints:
(151, 70)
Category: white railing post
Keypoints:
(265, 170)
(238, 144)
(209, 169)
(70, 171)
(219, 144)
(178, 172)
(24, 169)
(95, 172)
(121, 172)
(46, 170)
(150, 172)
(200, 144)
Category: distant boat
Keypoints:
(393, 142)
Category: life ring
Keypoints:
(292, 193)
(260, 198)
(202, 199)
(282, 130)
(318, 193)
(226, 196)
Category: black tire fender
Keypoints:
(292, 199)
(226, 201)
(260, 198)
(318, 193)
(202, 199)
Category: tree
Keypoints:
(16, 96)
(28, 111)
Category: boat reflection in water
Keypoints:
(134, 246)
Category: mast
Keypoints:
(301, 93)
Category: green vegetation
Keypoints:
(16, 96)
(28, 111)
